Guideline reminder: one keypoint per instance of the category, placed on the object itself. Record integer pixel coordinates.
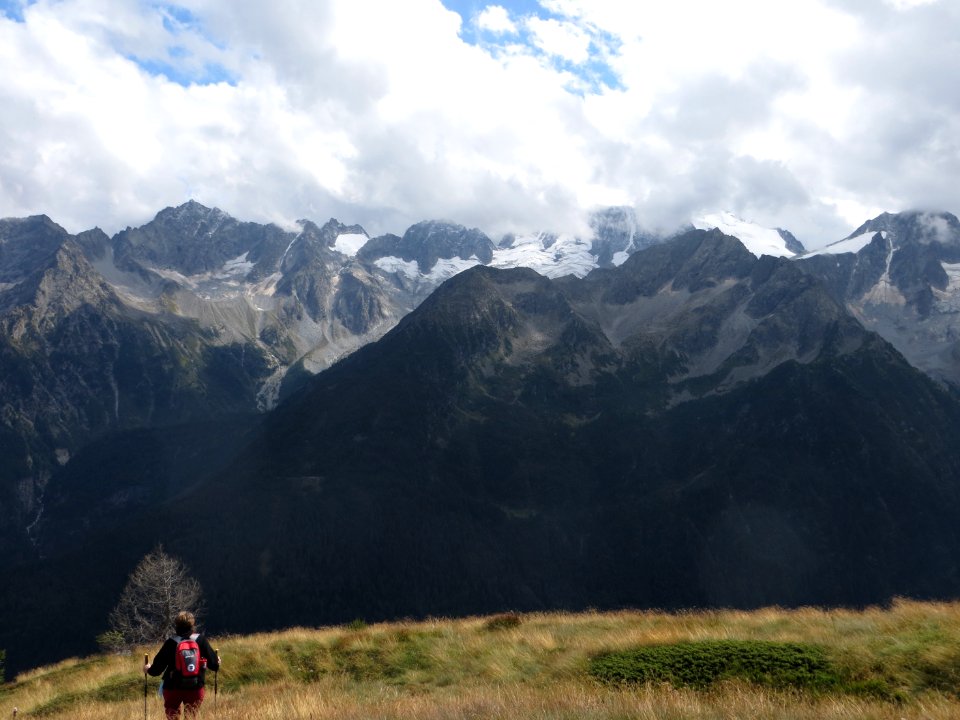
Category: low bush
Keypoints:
(112, 642)
(700, 664)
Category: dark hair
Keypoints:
(185, 623)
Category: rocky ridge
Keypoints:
(197, 315)
(899, 274)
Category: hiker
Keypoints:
(183, 661)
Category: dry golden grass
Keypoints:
(460, 669)
(562, 701)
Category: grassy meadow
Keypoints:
(889, 663)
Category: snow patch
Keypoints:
(619, 258)
(350, 243)
(410, 269)
(850, 245)
(757, 239)
(566, 255)
(237, 267)
(447, 268)
(550, 255)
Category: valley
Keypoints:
(697, 424)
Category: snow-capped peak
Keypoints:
(350, 243)
(849, 245)
(757, 239)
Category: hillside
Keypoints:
(696, 427)
(197, 316)
(898, 662)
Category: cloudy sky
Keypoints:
(813, 115)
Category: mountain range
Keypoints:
(541, 422)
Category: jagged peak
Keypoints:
(429, 228)
(28, 243)
(914, 226)
(437, 224)
(430, 240)
(30, 222)
(330, 233)
(190, 211)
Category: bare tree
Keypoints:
(158, 588)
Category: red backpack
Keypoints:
(188, 663)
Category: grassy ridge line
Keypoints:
(538, 668)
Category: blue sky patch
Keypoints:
(185, 74)
(176, 19)
(13, 9)
(591, 76)
(471, 8)
(179, 64)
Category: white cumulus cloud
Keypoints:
(563, 39)
(496, 19)
(805, 114)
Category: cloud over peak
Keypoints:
(808, 114)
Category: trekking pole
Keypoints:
(216, 677)
(146, 659)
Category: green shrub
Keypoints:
(111, 642)
(700, 664)
(357, 625)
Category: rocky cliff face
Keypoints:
(193, 239)
(297, 298)
(900, 276)
(197, 315)
(78, 361)
(427, 242)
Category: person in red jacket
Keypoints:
(183, 685)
